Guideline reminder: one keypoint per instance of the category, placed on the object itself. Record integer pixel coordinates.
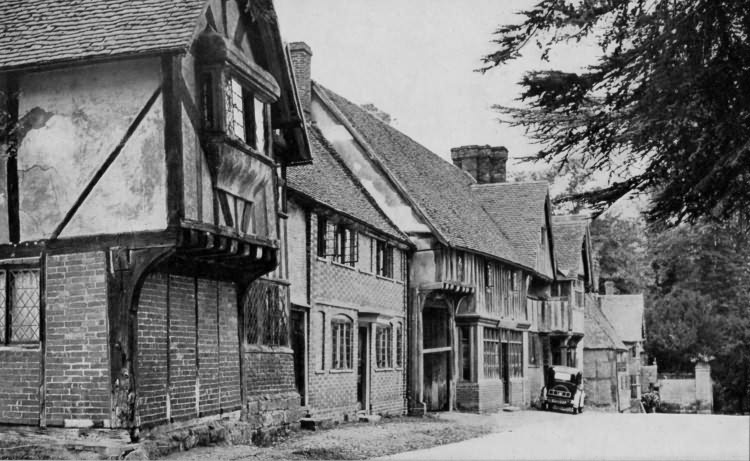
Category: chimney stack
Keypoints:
(301, 56)
(484, 163)
(609, 287)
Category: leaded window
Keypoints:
(515, 352)
(337, 241)
(266, 314)
(20, 298)
(491, 353)
(465, 341)
(244, 115)
(341, 344)
(383, 259)
(383, 346)
(399, 345)
(535, 348)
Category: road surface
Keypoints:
(608, 436)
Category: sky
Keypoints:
(416, 60)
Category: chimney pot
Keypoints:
(486, 164)
(301, 55)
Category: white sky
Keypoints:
(415, 60)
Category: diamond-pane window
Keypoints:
(25, 306)
(21, 306)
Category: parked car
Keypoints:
(563, 388)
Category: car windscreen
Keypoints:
(563, 376)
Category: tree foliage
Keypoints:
(665, 109)
(619, 246)
(699, 305)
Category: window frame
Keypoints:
(492, 359)
(6, 338)
(215, 82)
(342, 343)
(398, 349)
(383, 347)
(384, 259)
(337, 241)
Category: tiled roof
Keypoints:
(625, 312)
(598, 331)
(440, 190)
(327, 181)
(518, 210)
(35, 32)
(569, 238)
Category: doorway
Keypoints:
(362, 367)
(436, 357)
(299, 347)
(505, 367)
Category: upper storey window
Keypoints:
(245, 116)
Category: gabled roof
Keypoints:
(438, 189)
(570, 236)
(36, 32)
(625, 312)
(329, 182)
(598, 331)
(518, 209)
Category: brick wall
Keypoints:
(182, 336)
(199, 383)
(208, 346)
(152, 350)
(485, 396)
(77, 375)
(20, 377)
(344, 290)
(229, 348)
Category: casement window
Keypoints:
(515, 352)
(341, 344)
(383, 346)
(20, 306)
(383, 259)
(460, 266)
(535, 349)
(399, 334)
(464, 338)
(491, 353)
(337, 241)
(266, 314)
(226, 99)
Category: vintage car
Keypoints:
(563, 388)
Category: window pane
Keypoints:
(25, 309)
(260, 125)
(235, 109)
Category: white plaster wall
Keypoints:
(386, 196)
(89, 109)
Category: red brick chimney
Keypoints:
(301, 56)
(486, 164)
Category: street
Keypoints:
(607, 436)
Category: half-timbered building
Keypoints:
(144, 146)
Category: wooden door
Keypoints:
(362, 369)
(505, 366)
(299, 347)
